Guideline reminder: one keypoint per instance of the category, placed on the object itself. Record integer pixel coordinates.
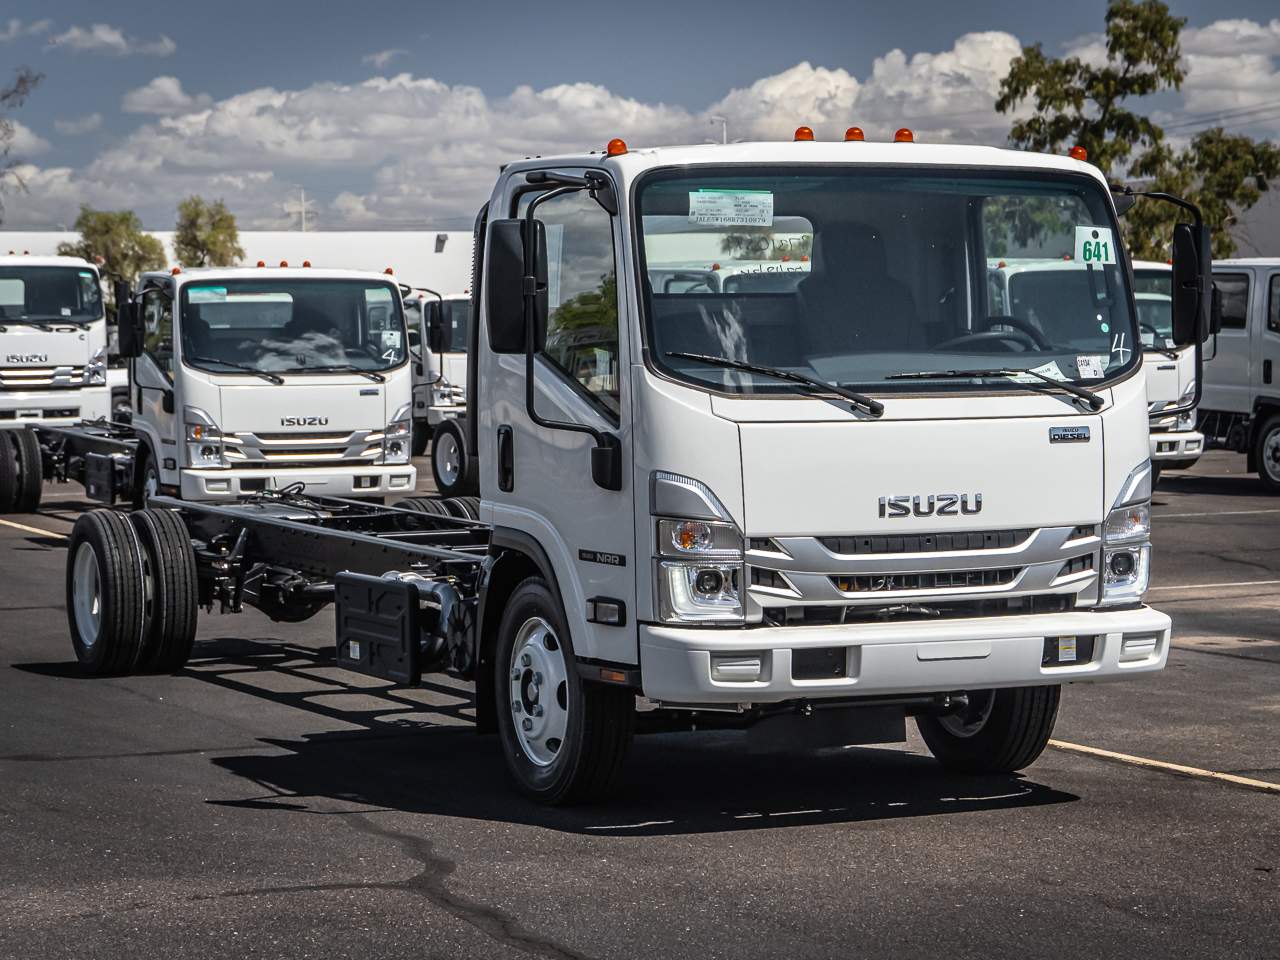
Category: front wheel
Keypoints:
(449, 461)
(148, 483)
(30, 471)
(1267, 454)
(564, 739)
(999, 731)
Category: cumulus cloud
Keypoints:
(383, 58)
(26, 142)
(163, 96)
(75, 126)
(104, 38)
(15, 28)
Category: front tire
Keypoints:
(9, 480)
(449, 461)
(30, 478)
(1267, 454)
(564, 740)
(421, 437)
(147, 484)
(1001, 731)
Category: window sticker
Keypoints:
(1050, 369)
(731, 208)
(1091, 367)
(206, 294)
(66, 311)
(87, 274)
(1095, 245)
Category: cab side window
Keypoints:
(582, 288)
(1273, 305)
(1234, 290)
(157, 320)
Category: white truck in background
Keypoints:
(812, 513)
(53, 362)
(1241, 405)
(1173, 380)
(438, 323)
(247, 380)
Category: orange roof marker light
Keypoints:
(715, 266)
(284, 263)
(616, 148)
(1078, 153)
(175, 271)
(388, 271)
(306, 263)
(262, 263)
(904, 135)
(803, 134)
(854, 134)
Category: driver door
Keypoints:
(153, 377)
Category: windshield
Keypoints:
(1154, 292)
(457, 313)
(292, 325)
(49, 293)
(856, 276)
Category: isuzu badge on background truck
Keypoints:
(53, 362)
(811, 511)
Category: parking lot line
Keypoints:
(1206, 586)
(1264, 785)
(26, 529)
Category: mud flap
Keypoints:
(378, 627)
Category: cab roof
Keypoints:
(204, 274)
(27, 260)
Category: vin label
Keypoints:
(1069, 434)
(600, 556)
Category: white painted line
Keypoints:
(1249, 782)
(1211, 513)
(26, 529)
(1208, 586)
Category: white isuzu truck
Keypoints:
(1241, 408)
(53, 362)
(248, 379)
(812, 512)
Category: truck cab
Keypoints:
(1241, 406)
(252, 379)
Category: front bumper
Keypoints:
(54, 408)
(371, 481)
(1170, 445)
(439, 414)
(900, 658)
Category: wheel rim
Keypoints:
(87, 602)
(150, 484)
(1271, 454)
(448, 459)
(539, 691)
(970, 721)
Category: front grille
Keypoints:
(927, 542)
(1077, 565)
(41, 378)
(48, 413)
(830, 614)
(941, 580)
(271, 450)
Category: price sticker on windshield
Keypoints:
(1095, 245)
(731, 208)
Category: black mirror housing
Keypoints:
(504, 285)
(128, 328)
(437, 342)
(1192, 297)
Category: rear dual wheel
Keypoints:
(131, 592)
(21, 472)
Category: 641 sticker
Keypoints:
(1095, 245)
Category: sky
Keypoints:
(397, 115)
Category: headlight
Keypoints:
(204, 439)
(1126, 541)
(396, 438)
(95, 372)
(698, 570)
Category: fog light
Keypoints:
(1122, 564)
(709, 582)
(395, 448)
(1138, 646)
(218, 486)
(400, 481)
(736, 668)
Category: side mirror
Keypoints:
(505, 285)
(1215, 311)
(435, 328)
(1123, 200)
(127, 326)
(1191, 285)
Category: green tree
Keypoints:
(12, 97)
(116, 242)
(1076, 103)
(206, 234)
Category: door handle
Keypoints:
(1266, 371)
(506, 459)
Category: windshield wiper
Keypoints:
(341, 368)
(26, 322)
(1171, 354)
(269, 377)
(1088, 396)
(873, 407)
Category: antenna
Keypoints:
(299, 206)
(724, 127)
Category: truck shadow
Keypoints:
(414, 750)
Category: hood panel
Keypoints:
(261, 408)
(40, 349)
(805, 479)
(1166, 379)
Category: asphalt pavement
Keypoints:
(263, 803)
